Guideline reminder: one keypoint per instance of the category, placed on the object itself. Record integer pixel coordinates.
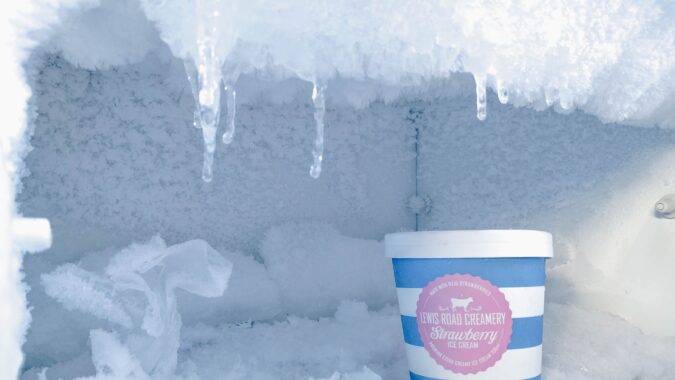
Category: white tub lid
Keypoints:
(469, 244)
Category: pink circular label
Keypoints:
(464, 322)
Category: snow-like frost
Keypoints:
(251, 295)
(581, 343)
(613, 59)
(77, 289)
(299, 348)
(365, 374)
(97, 35)
(316, 268)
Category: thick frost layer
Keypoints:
(365, 374)
(614, 59)
(579, 345)
(121, 290)
(136, 146)
(315, 268)
(299, 348)
(592, 185)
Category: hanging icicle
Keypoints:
(193, 78)
(319, 100)
(231, 95)
(551, 96)
(481, 99)
(566, 101)
(502, 92)
(208, 78)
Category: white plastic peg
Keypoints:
(31, 234)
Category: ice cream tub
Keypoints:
(471, 302)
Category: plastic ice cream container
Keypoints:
(471, 302)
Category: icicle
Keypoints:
(566, 101)
(481, 100)
(231, 112)
(502, 92)
(209, 78)
(193, 78)
(209, 134)
(550, 95)
(319, 100)
(209, 122)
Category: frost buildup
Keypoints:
(319, 100)
(481, 99)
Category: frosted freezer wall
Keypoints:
(106, 170)
(117, 149)
(116, 160)
(593, 185)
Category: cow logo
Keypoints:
(464, 322)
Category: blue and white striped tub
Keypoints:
(520, 279)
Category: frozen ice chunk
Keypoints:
(316, 268)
